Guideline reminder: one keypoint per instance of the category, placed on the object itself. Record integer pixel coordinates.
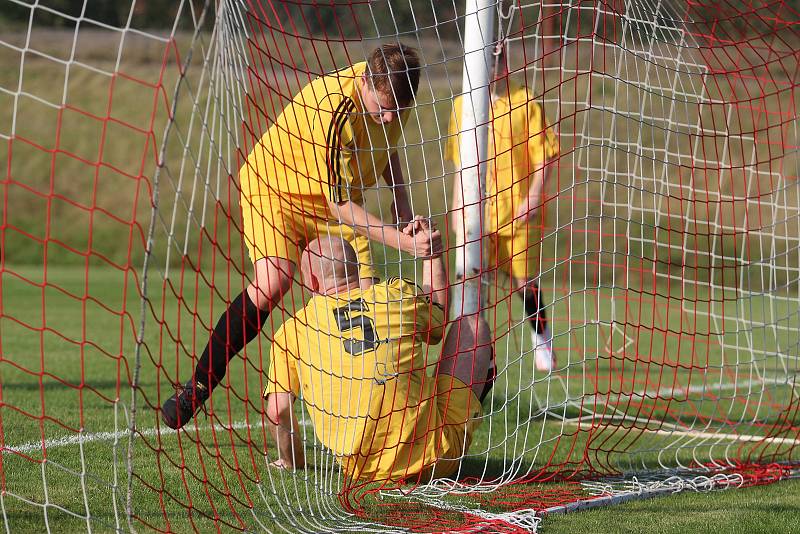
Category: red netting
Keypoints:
(659, 259)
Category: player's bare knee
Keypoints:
(483, 334)
(263, 296)
(273, 413)
(273, 278)
(467, 333)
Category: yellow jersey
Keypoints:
(358, 360)
(322, 147)
(520, 141)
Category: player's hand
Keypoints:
(418, 223)
(426, 238)
(415, 225)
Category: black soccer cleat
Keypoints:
(180, 408)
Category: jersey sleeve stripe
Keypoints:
(413, 284)
(334, 148)
(351, 107)
(331, 141)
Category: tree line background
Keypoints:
(384, 16)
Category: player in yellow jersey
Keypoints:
(521, 145)
(356, 355)
(305, 177)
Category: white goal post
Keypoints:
(665, 252)
(479, 26)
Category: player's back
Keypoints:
(361, 367)
(520, 141)
(284, 162)
(516, 122)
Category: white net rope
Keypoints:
(667, 252)
(677, 153)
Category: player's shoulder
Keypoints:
(336, 102)
(308, 321)
(518, 90)
(403, 285)
(408, 289)
(333, 91)
(521, 95)
(357, 69)
(287, 330)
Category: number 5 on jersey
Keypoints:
(346, 322)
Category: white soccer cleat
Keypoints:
(543, 350)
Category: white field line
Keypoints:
(735, 437)
(112, 436)
(690, 433)
(708, 387)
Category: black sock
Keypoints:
(534, 308)
(491, 374)
(240, 323)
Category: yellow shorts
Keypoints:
(515, 251)
(460, 411)
(414, 444)
(277, 228)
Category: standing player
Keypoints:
(521, 145)
(306, 176)
(358, 357)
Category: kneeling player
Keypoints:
(357, 356)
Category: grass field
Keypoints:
(217, 466)
(667, 346)
(773, 508)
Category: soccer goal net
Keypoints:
(617, 188)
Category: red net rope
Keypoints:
(664, 249)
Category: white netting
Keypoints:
(666, 248)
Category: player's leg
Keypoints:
(243, 319)
(468, 354)
(463, 378)
(237, 326)
(523, 266)
(541, 336)
(268, 235)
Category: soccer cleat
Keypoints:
(543, 350)
(181, 407)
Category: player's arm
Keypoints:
(393, 175)
(530, 205)
(280, 392)
(366, 224)
(434, 274)
(285, 430)
(542, 149)
(434, 280)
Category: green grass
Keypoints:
(67, 361)
(774, 508)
